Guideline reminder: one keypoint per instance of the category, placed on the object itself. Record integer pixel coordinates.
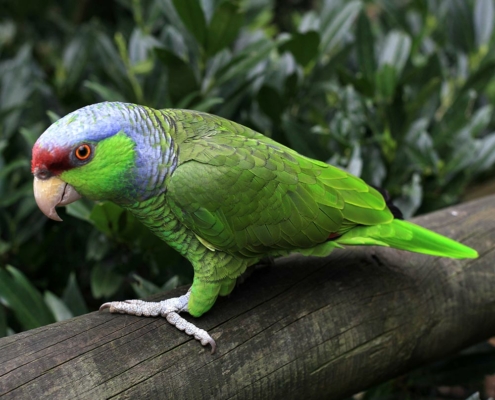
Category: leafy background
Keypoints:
(400, 92)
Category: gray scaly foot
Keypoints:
(169, 309)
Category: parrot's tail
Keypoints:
(405, 235)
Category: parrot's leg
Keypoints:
(169, 309)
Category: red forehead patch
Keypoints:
(55, 160)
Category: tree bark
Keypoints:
(304, 328)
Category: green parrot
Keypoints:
(221, 194)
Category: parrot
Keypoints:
(221, 194)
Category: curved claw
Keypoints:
(105, 305)
(211, 342)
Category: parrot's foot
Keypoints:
(169, 309)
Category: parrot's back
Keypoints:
(241, 192)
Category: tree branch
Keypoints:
(305, 328)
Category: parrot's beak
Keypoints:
(52, 192)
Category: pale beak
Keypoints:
(52, 192)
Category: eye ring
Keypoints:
(83, 152)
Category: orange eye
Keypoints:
(83, 152)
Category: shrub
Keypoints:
(398, 92)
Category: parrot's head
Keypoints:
(105, 151)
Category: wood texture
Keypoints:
(304, 328)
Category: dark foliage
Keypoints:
(398, 92)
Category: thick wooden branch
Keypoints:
(305, 328)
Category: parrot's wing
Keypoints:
(247, 195)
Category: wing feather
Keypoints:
(251, 195)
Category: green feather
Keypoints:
(405, 235)
(104, 178)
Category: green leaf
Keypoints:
(57, 307)
(427, 94)
(207, 104)
(242, 63)
(5, 247)
(271, 102)
(480, 120)
(175, 42)
(337, 28)
(14, 165)
(25, 208)
(142, 287)
(7, 32)
(484, 18)
(141, 45)
(143, 67)
(395, 14)
(111, 62)
(23, 299)
(374, 171)
(75, 58)
(412, 194)
(485, 154)
(419, 146)
(386, 81)
(3, 145)
(29, 135)
(463, 97)
(80, 209)
(106, 93)
(355, 163)
(303, 46)
(466, 152)
(104, 282)
(393, 57)
(460, 25)
(181, 80)
(186, 101)
(365, 47)
(209, 7)
(15, 196)
(24, 232)
(299, 137)
(395, 51)
(192, 16)
(310, 21)
(224, 26)
(54, 117)
(172, 283)
(105, 217)
(97, 246)
(73, 298)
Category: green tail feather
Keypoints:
(405, 235)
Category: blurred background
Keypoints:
(399, 92)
